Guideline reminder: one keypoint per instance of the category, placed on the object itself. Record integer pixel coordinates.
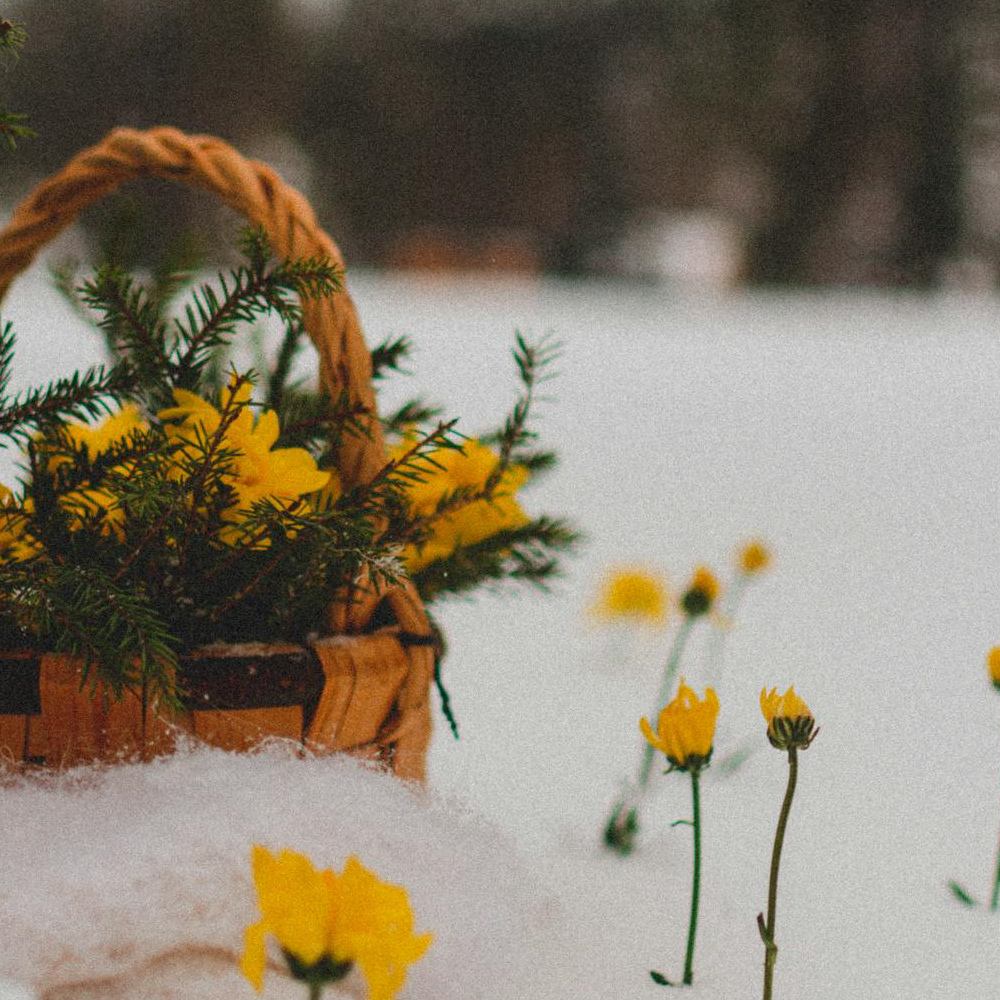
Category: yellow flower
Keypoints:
(754, 557)
(789, 721)
(257, 470)
(193, 413)
(702, 592)
(685, 728)
(113, 430)
(90, 502)
(325, 922)
(473, 522)
(15, 543)
(632, 595)
(993, 665)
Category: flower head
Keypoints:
(113, 430)
(256, 470)
(755, 557)
(702, 592)
(467, 469)
(685, 728)
(632, 595)
(993, 666)
(325, 922)
(789, 722)
(16, 544)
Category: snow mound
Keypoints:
(134, 880)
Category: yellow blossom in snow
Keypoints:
(470, 523)
(993, 665)
(685, 728)
(789, 721)
(325, 923)
(755, 557)
(633, 595)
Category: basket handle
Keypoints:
(254, 190)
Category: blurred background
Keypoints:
(854, 142)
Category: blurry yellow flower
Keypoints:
(754, 557)
(702, 592)
(632, 595)
(325, 922)
(685, 728)
(993, 665)
(789, 721)
(473, 522)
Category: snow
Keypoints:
(859, 435)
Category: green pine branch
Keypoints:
(528, 554)
(89, 394)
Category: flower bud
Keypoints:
(790, 724)
(754, 557)
(701, 593)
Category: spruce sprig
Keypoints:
(169, 354)
(527, 553)
(89, 394)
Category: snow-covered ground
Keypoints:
(859, 434)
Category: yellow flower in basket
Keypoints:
(111, 431)
(15, 544)
(258, 470)
(466, 469)
(90, 501)
(325, 922)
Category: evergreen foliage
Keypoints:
(151, 534)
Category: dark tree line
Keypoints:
(834, 135)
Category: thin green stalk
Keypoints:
(622, 824)
(996, 882)
(767, 929)
(696, 879)
(716, 642)
(315, 989)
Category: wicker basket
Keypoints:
(365, 689)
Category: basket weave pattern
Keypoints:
(371, 695)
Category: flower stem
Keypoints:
(767, 929)
(696, 878)
(996, 883)
(315, 989)
(623, 823)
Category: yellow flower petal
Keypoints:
(254, 957)
(685, 727)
